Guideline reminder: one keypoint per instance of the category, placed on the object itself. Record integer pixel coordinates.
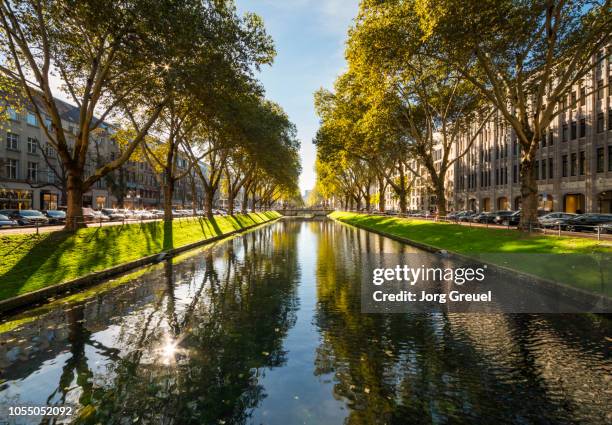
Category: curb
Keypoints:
(40, 296)
(563, 289)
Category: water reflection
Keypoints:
(453, 368)
(267, 328)
(187, 346)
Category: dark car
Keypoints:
(483, 217)
(26, 217)
(56, 216)
(553, 219)
(585, 222)
(465, 216)
(508, 218)
(6, 222)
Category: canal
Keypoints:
(267, 328)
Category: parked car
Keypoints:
(585, 222)
(391, 212)
(509, 219)
(465, 216)
(129, 214)
(606, 228)
(55, 216)
(94, 215)
(553, 219)
(26, 217)
(6, 222)
(144, 214)
(505, 217)
(113, 214)
(483, 217)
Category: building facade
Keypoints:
(574, 161)
(32, 176)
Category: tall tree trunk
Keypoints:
(381, 194)
(403, 204)
(74, 204)
(440, 197)
(230, 203)
(194, 197)
(529, 194)
(168, 194)
(209, 196)
(245, 200)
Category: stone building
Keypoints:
(32, 176)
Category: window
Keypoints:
(48, 123)
(32, 171)
(582, 127)
(12, 114)
(573, 132)
(31, 118)
(610, 119)
(515, 174)
(610, 158)
(49, 151)
(573, 101)
(573, 164)
(582, 96)
(600, 122)
(600, 89)
(564, 133)
(600, 160)
(543, 169)
(550, 138)
(582, 163)
(12, 141)
(32, 145)
(12, 167)
(551, 169)
(537, 170)
(50, 176)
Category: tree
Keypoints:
(431, 105)
(524, 57)
(107, 57)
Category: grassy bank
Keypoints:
(588, 266)
(31, 262)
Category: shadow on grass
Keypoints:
(45, 249)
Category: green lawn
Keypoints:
(580, 262)
(31, 262)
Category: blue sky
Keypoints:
(309, 36)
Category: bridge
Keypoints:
(316, 212)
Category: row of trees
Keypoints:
(425, 76)
(175, 79)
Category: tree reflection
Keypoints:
(438, 367)
(213, 344)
